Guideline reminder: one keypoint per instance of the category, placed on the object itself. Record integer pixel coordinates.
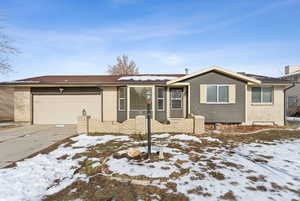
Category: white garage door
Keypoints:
(64, 109)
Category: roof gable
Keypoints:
(217, 69)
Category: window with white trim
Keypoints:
(262, 94)
(122, 98)
(176, 98)
(160, 98)
(217, 93)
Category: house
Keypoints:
(292, 73)
(6, 103)
(220, 95)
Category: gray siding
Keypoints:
(121, 115)
(161, 115)
(218, 113)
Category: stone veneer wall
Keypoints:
(139, 126)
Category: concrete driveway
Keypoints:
(18, 143)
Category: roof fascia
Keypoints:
(217, 69)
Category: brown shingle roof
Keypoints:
(266, 79)
(97, 79)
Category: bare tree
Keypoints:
(123, 67)
(6, 50)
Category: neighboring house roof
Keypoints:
(217, 69)
(291, 74)
(267, 79)
(98, 79)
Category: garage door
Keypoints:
(64, 109)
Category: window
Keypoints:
(138, 98)
(176, 98)
(160, 99)
(217, 93)
(292, 101)
(262, 94)
(122, 98)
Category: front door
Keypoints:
(176, 103)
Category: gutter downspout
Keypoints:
(285, 107)
(101, 94)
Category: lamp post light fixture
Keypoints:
(148, 102)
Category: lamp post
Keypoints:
(148, 102)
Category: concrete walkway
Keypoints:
(18, 143)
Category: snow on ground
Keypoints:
(210, 139)
(7, 124)
(232, 166)
(151, 170)
(88, 141)
(274, 169)
(186, 138)
(278, 171)
(158, 136)
(33, 178)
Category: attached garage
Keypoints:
(65, 106)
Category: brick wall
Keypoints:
(138, 125)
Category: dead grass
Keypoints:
(199, 191)
(217, 175)
(230, 164)
(228, 196)
(260, 137)
(260, 178)
(100, 188)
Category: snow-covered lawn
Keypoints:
(194, 168)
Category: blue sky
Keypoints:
(83, 37)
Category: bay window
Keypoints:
(138, 98)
